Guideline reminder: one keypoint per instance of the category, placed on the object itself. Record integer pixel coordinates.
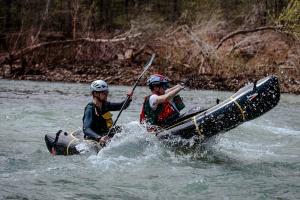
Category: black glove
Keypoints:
(185, 82)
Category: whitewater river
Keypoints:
(259, 159)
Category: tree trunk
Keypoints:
(8, 15)
(175, 10)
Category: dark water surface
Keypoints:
(257, 160)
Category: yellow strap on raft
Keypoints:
(74, 139)
(197, 127)
(69, 145)
(240, 107)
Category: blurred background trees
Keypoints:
(72, 17)
(184, 33)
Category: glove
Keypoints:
(184, 82)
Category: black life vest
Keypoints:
(101, 122)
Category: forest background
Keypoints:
(218, 44)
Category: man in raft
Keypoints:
(163, 106)
(97, 118)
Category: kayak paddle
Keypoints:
(147, 66)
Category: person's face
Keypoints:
(160, 89)
(102, 96)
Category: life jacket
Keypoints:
(102, 122)
(164, 114)
(108, 118)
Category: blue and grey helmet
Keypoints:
(157, 79)
(99, 86)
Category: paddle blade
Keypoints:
(150, 62)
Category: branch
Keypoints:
(43, 21)
(15, 55)
(230, 35)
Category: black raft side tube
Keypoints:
(52, 145)
(61, 144)
(248, 103)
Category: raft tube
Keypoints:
(250, 102)
(63, 143)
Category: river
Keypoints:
(259, 159)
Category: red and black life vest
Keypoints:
(164, 114)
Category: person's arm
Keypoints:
(173, 88)
(87, 124)
(117, 106)
(169, 95)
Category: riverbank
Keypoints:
(128, 76)
(212, 58)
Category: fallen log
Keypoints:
(230, 35)
(10, 57)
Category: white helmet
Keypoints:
(99, 86)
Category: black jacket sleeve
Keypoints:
(117, 106)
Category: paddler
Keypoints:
(97, 118)
(163, 106)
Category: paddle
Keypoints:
(147, 66)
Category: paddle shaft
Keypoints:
(147, 66)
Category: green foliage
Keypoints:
(290, 17)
